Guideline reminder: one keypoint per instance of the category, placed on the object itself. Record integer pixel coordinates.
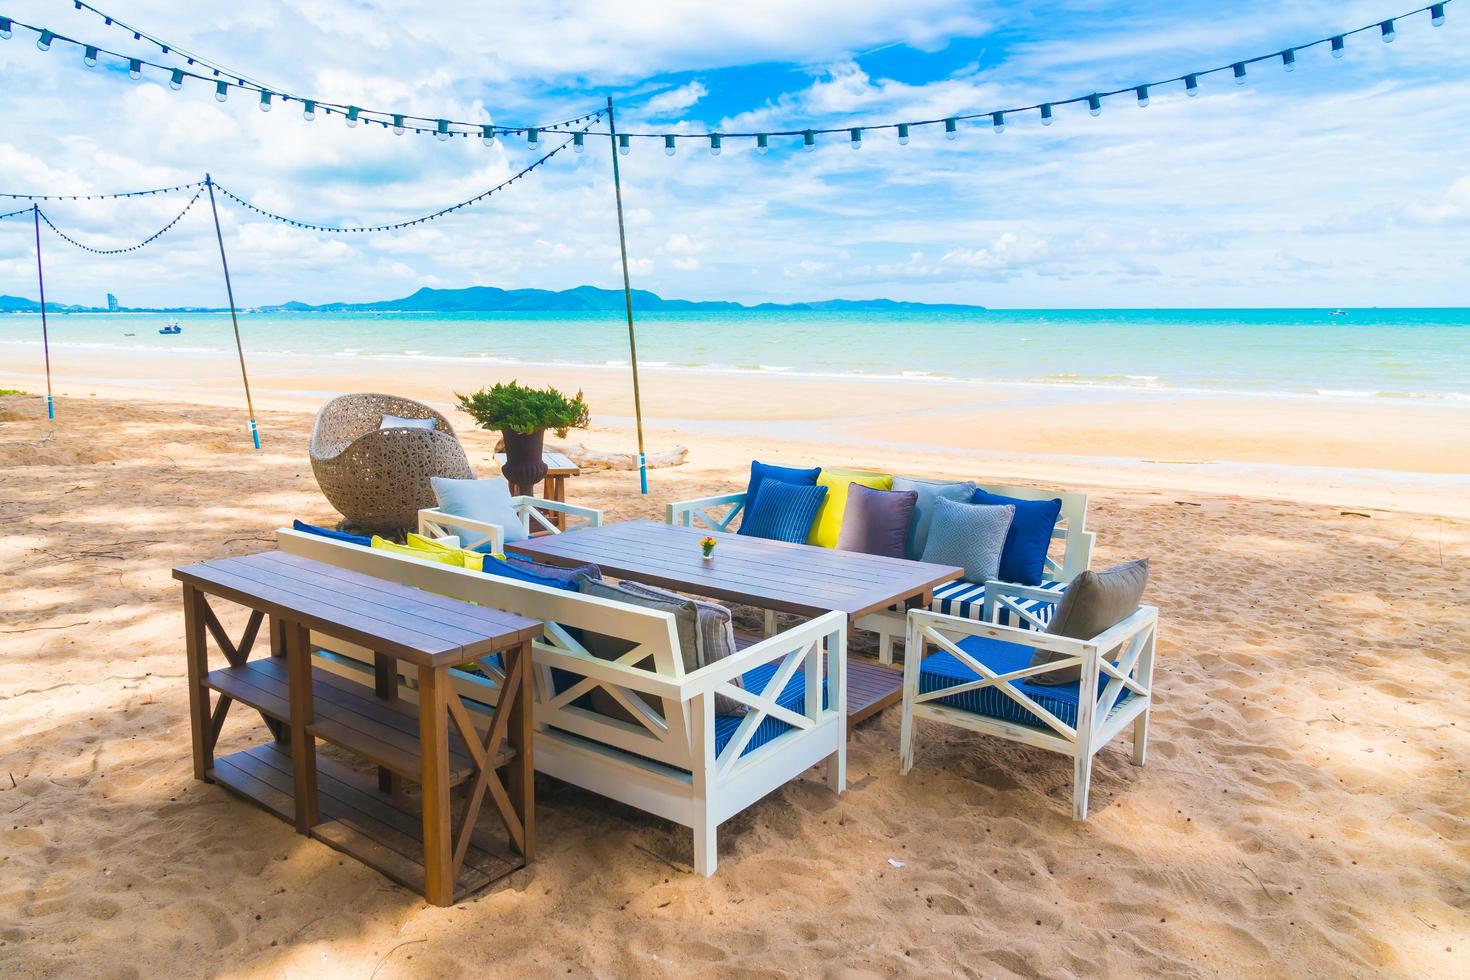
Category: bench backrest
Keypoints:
(1071, 550)
(648, 675)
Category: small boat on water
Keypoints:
(1339, 313)
(171, 329)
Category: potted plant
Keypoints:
(522, 415)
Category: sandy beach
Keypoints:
(1303, 811)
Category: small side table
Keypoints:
(434, 743)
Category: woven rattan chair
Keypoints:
(379, 478)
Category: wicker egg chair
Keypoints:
(379, 478)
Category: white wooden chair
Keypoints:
(976, 678)
(672, 755)
(1071, 553)
(479, 535)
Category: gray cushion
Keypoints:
(968, 535)
(924, 508)
(876, 522)
(705, 631)
(1094, 603)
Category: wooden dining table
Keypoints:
(771, 575)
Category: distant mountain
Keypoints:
(493, 299)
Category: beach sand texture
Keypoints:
(1304, 811)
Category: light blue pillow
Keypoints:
(971, 536)
(913, 547)
(394, 422)
(480, 500)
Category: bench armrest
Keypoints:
(683, 512)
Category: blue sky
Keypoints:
(1343, 183)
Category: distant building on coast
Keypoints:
(111, 303)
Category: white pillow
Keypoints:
(394, 422)
(487, 501)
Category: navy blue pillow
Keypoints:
(783, 511)
(327, 532)
(760, 472)
(522, 570)
(1023, 559)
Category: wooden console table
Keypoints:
(411, 841)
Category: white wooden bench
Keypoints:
(676, 758)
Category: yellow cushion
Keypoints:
(829, 519)
(422, 547)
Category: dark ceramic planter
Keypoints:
(524, 467)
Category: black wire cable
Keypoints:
(11, 214)
(129, 248)
(102, 197)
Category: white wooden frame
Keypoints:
(663, 762)
(1123, 654)
(889, 624)
(472, 534)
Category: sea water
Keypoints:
(1358, 353)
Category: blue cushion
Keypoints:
(783, 511)
(529, 571)
(1023, 558)
(760, 472)
(327, 532)
(942, 669)
(967, 599)
(487, 501)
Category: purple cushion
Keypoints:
(876, 522)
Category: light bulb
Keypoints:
(951, 129)
(397, 125)
(441, 133)
(714, 144)
(669, 148)
(5, 28)
(1046, 114)
(1239, 69)
(532, 136)
(176, 80)
(89, 57)
(1288, 60)
(44, 41)
(809, 141)
(623, 146)
(998, 121)
(308, 110)
(1142, 93)
(265, 101)
(1094, 104)
(352, 114)
(1386, 29)
(578, 144)
(762, 144)
(903, 134)
(1337, 46)
(1191, 85)
(487, 136)
(1436, 14)
(856, 136)
(221, 91)
(135, 69)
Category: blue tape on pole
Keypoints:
(50, 408)
(254, 434)
(643, 472)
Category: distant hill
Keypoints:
(493, 299)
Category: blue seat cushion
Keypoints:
(942, 669)
(326, 532)
(967, 599)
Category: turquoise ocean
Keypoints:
(1360, 353)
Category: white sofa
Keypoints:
(1071, 553)
(677, 759)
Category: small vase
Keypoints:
(709, 556)
(524, 467)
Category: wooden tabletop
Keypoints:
(414, 625)
(557, 464)
(795, 578)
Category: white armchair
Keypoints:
(475, 535)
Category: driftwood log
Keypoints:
(597, 459)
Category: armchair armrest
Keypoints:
(712, 676)
(434, 522)
(683, 513)
(1004, 595)
(529, 509)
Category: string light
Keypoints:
(1288, 60)
(1436, 14)
(714, 144)
(442, 133)
(150, 192)
(998, 121)
(1191, 85)
(44, 41)
(127, 248)
(855, 136)
(1094, 104)
(265, 102)
(487, 136)
(5, 28)
(1142, 93)
(669, 148)
(903, 134)
(809, 141)
(577, 142)
(1239, 69)
(352, 114)
(951, 129)
(1386, 28)
(308, 110)
(1046, 114)
(1337, 46)
(89, 57)
(221, 91)
(176, 80)
(532, 136)
(762, 144)
(135, 69)
(623, 145)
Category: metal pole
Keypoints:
(612, 131)
(45, 340)
(230, 291)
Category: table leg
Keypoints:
(303, 745)
(385, 685)
(278, 649)
(198, 657)
(556, 489)
(434, 782)
(522, 732)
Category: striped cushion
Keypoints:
(968, 600)
(783, 511)
(941, 670)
